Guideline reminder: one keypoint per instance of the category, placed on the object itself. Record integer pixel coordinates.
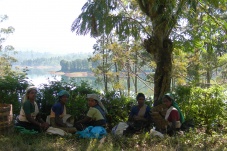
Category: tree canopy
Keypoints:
(5, 58)
(159, 24)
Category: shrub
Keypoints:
(12, 88)
(205, 106)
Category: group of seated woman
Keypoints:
(139, 118)
(30, 118)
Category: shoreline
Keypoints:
(72, 74)
(51, 70)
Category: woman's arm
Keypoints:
(43, 125)
(32, 120)
(85, 120)
(173, 126)
(39, 118)
(59, 121)
(132, 114)
(173, 119)
(139, 118)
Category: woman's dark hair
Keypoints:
(140, 95)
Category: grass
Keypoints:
(191, 141)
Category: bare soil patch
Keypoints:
(72, 74)
(77, 74)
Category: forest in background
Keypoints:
(34, 58)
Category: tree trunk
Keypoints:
(163, 72)
(116, 71)
(105, 75)
(117, 76)
(128, 77)
(208, 78)
(162, 52)
(159, 44)
(136, 74)
(136, 83)
(104, 62)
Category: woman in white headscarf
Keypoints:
(29, 117)
(96, 115)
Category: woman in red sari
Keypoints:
(173, 114)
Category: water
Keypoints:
(43, 79)
(41, 76)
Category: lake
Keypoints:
(39, 76)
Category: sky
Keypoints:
(44, 25)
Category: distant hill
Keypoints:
(34, 58)
(27, 55)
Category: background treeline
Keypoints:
(33, 58)
(78, 65)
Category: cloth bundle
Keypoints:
(57, 131)
(119, 128)
(92, 132)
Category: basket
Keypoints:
(6, 118)
(159, 121)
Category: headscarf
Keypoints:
(96, 97)
(174, 104)
(27, 91)
(62, 93)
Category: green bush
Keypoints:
(77, 104)
(205, 106)
(118, 108)
(12, 88)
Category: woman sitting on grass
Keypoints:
(139, 118)
(58, 114)
(96, 115)
(173, 114)
(29, 117)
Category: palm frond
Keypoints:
(103, 17)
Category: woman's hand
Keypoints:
(44, 125)
(136, 117)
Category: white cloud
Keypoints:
(44, 25)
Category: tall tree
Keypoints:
(101, 57)
(7, 51)
(206, 39)
(153, 20)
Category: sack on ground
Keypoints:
(119, 128)
(57, 131)
(156, 133)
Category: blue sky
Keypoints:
(44, 25)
